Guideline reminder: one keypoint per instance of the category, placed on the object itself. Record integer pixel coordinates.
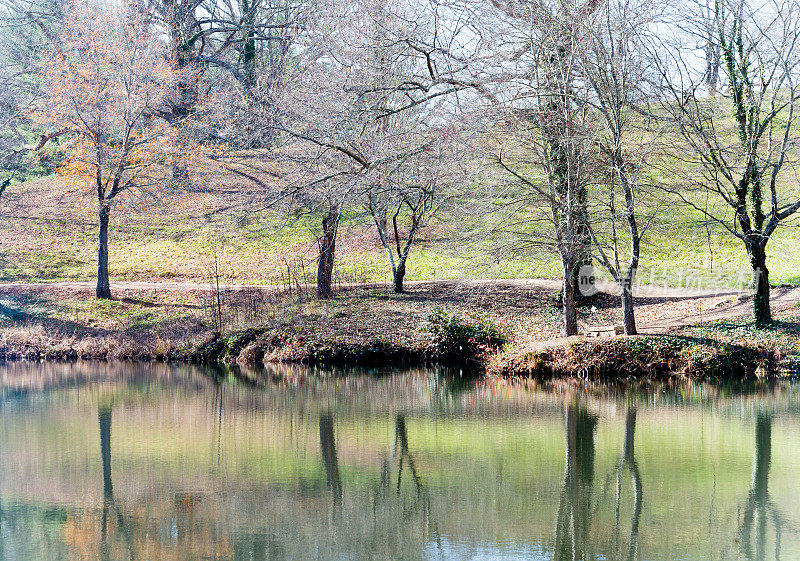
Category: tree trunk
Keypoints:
(758, 261)
(180, 169)
(103, 286)
(104, 417)
(568, 301)
(327, 254)
(399, 275)
(628, 316)
(329, 458)
(180, 156)
(187, 86)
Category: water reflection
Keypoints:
(629, 462)
(178, 465)
(328, 445)
(420, 504)
(759, 509)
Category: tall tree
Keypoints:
(546, 128)
(742, 167)
(219, 48)
(615, 65)
(179, 20)
(101, 91)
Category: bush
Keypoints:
(451, 337)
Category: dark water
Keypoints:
(156, 463)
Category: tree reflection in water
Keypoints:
(574, 508)
(759, 509)
(109, 504)
(401, 454)
(222, 472)
(628, 461)
(573, 524)
(328, 445)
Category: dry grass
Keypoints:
(156, 323)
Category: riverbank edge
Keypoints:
(617, 358)
(647, 357)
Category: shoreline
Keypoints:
(697, 337)
(615, 359)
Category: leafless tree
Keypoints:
(615, 66)
(365, 105)
(738, 147)
(221, 49)
(539, 109)
(412, 192)
(27, 28)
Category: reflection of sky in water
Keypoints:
(136, 462)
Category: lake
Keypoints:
(155, 462)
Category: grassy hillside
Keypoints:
(48, 233)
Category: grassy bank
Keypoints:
(651, 357)
(373, 326)
(731, 349)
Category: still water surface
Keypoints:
(130, 462)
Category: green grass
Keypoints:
(783, 333)
(48, 233)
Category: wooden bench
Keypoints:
(605, 331)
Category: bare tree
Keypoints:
(546, 125)
(410, 195)
(363, 103)
(738, 147)
(264, 57)
(219, 48)
(615, 64)
(27, 28)
(179, 21)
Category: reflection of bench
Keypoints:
(605, 331)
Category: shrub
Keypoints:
(451, 337)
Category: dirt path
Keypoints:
(544, 284)
(732, 302)
(739, 305)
